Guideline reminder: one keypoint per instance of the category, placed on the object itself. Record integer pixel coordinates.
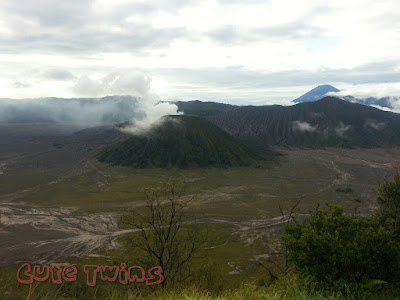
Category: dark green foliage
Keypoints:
(182, 141)
(334, 246)
(389, 203)
(327, 122)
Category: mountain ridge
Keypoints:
(323, 123)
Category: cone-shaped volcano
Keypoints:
(183, 142)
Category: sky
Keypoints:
(230, 51)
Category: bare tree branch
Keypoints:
(163, 235)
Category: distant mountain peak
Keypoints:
(316, 93)
(326, 86)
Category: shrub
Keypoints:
(389, 203)
(332, 246)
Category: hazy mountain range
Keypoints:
(114, 109)
(83, 111)
(212, 134)
(225, 135)
(323, 90)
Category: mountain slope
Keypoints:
(327, 122)
(182, 141)
(199, 108)
(316, 94)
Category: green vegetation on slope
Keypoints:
(183, 142)
(327, 122)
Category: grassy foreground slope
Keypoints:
(290, 287)
(182, 141)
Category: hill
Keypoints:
(199, 108)
(182, 141)
(327, 122)
(316, 94)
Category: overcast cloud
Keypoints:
(254, 52)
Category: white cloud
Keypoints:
(58, 74)
(120, 83)
(381, 107)
(395, 104)
(377, 90)
(303, 126)
(21, 85)
(302, 43)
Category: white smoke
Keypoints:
(374, 124)
(341, 129)
(141, 108)
(154, 114)
(132, 83)
(303, 126)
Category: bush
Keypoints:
(332, 246)
(389, 203)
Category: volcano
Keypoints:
(184, 142)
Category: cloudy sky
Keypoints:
(254, 51)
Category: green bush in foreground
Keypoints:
(332, 246)
(389, 203)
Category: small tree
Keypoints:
(277, 267)
(389, 202)
(165, 236)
